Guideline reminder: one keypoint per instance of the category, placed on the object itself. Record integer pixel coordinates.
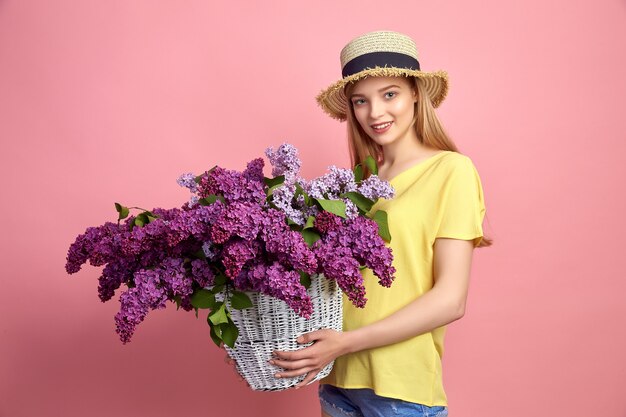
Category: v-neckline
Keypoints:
(412, 167)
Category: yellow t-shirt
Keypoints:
(438, 197)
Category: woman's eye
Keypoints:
(393, 93)
(358, 101)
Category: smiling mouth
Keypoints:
(381, 126)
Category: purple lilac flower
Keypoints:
(360, 235)
(188, 181)
(236, 253)
(276, 281)
(254, 170)
(98, 245)
(202, 272)
(347, 244)
(315, 188)
(184, 224)
(374, 188)
(341, 178)
(289, 246)
(326, 222)
(352, 211)
(193, 200)
(242, 235)
(80, 250)
(239, 219)
(113, 275)
(135, 303)
(338, 264)
(283, 197)
(153, 287)
(332, 184)
(209, 250)
(370, 249)
(232, 185)
(284, 161)
(174, 277)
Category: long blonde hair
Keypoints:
(429, 129)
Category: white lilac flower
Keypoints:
(316, 188)
(334, 183)
(374, 188)
(352, 211)
(284, 161)
(283, 197)
(208, 252)
(188, 181)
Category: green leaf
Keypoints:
(271, 203)
(210, 199)
(300, 191)
(199, 254)
(337, 207)
(178, 301)
(361, 202)
(380, 217)
(310, 236)
(358, 173)
(196, 312)
(203, 298)
(123, 211)
(217, 288)
(240, 300)
(271, 182)
(270, 191)
(138, 221)
(371, 164)
(217, 338)
(230, 332)
(220, 279)
(310, 222)
(305, 279)
(219, 316)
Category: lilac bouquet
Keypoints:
(241, 232)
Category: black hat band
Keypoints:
(379, 59)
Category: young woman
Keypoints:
(388, 358)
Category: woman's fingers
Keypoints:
(297, 372)
(311, 375)
(291, 364)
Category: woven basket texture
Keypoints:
(270, 324)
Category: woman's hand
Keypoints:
(328, 345)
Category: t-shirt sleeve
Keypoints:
(461, 203)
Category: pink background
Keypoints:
(111, 100)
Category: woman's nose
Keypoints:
(376, 109)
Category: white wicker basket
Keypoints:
(272, 325)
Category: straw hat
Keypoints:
(379, 54)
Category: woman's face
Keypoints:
(384, 107)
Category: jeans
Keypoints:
(363, 402)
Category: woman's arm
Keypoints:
(443, 304)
